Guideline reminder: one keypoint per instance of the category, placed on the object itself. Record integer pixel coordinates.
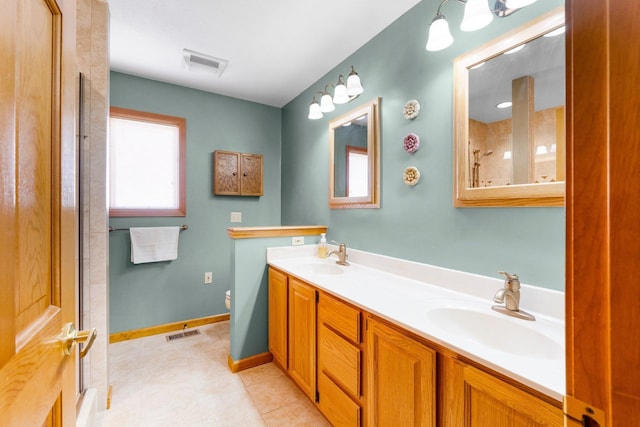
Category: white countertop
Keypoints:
(413, 296)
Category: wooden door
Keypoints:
(278, 302)
(401, 379)
(603, 212)
(251, 179)
(302, 336)
(37, 211)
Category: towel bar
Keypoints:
(182, 227)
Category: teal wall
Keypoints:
(418, 223)
(250, 295)
(415, 223)
(151, 294)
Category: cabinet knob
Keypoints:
(244, 174)
(234, 174)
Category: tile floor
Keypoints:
(187, 383)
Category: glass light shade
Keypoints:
(476, 15)
(516, 4)
(541, 150)
(314, 111)
(439, 35)
(326, 103)
(340, 94)
(354, 87)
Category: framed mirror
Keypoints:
(354, 158)
(509, 118)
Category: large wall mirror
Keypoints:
(354, 158)
(509, 136)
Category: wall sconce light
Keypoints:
(314, 110)
(342, 94)
(476, 15)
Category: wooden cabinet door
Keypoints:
(489, 401)
(302, 336)
(251, 175)
(401, 379)
(278, 302)
(226, 171)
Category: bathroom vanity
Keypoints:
(410, 344)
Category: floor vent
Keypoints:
(183, 335)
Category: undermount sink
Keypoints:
(322, 268)
(502, 334)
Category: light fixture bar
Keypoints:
(342, 94)
(477, 15)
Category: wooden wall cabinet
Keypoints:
(237, 174)
(340, 362)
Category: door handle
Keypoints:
(70, 335)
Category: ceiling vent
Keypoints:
(200, 61)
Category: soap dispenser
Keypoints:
(322, 246)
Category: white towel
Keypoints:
(153, 244)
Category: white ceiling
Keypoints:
(276, 49)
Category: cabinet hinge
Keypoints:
(581, 412)
(317, 397)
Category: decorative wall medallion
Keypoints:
(411, 143)
(411, 109)
(411, 175)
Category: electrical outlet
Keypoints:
(297, 241)
(236, 216)
(208, 278)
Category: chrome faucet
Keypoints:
(341, 252)
(509, 295)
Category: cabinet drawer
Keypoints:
(339, 316)
(340, 360)
(336, 405)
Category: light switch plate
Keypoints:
(236, 216)
(297, 241)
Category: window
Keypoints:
(146, 164)
(357, 172)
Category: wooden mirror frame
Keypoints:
(372, 199)
(542, 194)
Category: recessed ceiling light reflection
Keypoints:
(515, 49)
(477, 66)
(346, 124)
(505, 104)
